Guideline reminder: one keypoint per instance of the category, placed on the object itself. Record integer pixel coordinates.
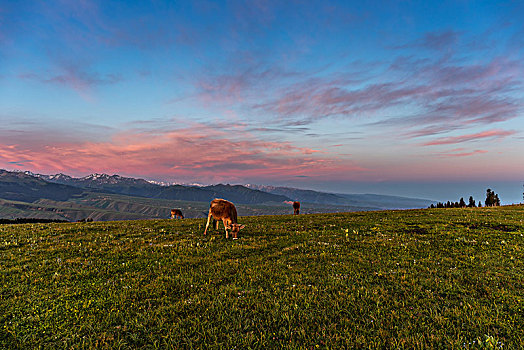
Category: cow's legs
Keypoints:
(225, 227)
(208, 219)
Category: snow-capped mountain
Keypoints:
(57, 178)
(90, 181)
(141, 188)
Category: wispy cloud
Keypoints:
(335, 98)
(438, 41)
(460, 152)
(245, 81)
(80, 79)
(20, 163)
(490, 134)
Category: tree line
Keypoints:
(492, 200)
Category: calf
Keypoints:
(296, 207)
(220, 209)
(177, 213)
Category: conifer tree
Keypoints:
(492, 199)
(489, 198)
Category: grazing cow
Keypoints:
(220, 209)
(296, 207)
(177, 213)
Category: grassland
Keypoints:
(427, 279)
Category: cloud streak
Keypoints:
(80, 79)
(461, 152)
(438, 41)
(490, 134)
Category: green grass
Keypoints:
(426, 279)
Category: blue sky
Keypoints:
(400, 97)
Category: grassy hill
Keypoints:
(432, 279)
(113, 207)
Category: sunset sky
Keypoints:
(418, 98)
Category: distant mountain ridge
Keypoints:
(19, 186)
(117, 184)
(374, 201)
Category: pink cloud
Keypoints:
(461, 152)
(470, 137)
(193, 154)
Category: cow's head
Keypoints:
(234, 229)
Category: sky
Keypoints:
(416, 98)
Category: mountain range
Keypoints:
(141, 188)
(114, 197)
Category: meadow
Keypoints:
(413, 279)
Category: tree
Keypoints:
(461, 204)
(471, 203)
(480, 204)
(492, 199)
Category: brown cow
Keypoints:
(177, 213)
(296, 207)
(220, 209)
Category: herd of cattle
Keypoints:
(225, 211)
